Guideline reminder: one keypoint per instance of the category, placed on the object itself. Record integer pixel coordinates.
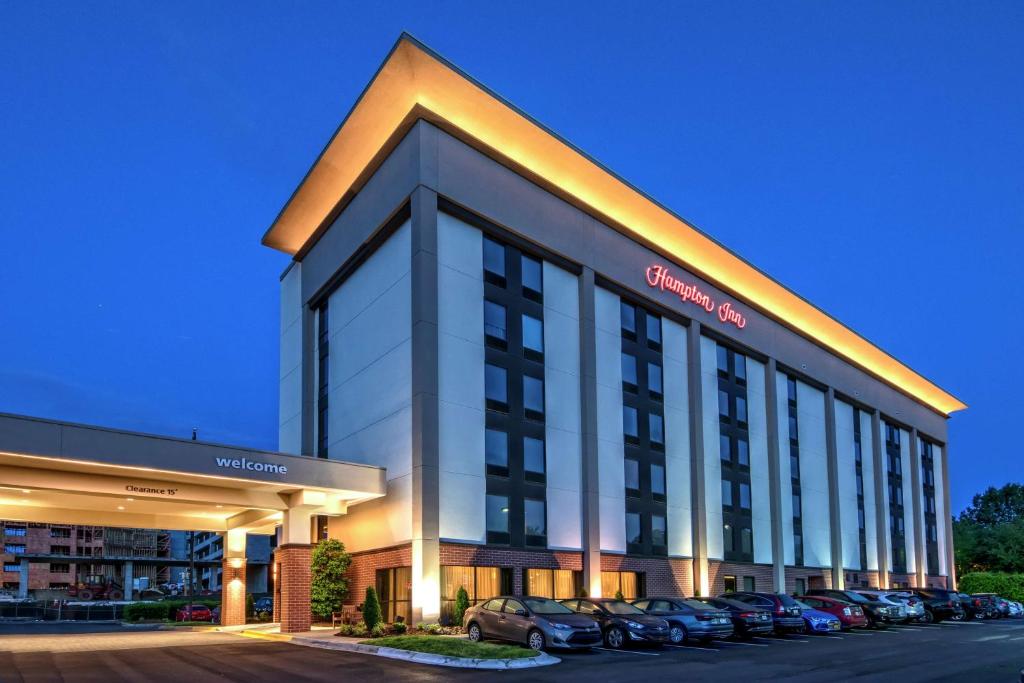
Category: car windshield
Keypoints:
(855, 597)
(802, 604)
(787, 601)
(697, 604)
(620, 607)
(545, 606)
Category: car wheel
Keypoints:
(929, 618)
(614, 638)
(535, 640)
(677, 634)
(475, 634)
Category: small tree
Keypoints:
(250, 607)
(371, 609)
(618, 595)
(461, 605)
(329, 585)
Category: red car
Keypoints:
(194, 613)
(849, 615)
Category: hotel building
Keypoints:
(570, 388)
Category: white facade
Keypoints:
(867, 440)
(677, 440)
(908, 501)
(712, 452)
(814, 489)
(610, 454)
(760, 483)
(847, 493)
(785, 470)
(940, 507)
(289, 432)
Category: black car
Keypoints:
(1000, 606)
(621, 622)
(264, 609)
(787, 615)
(939, 604)
(978, 607)
(688, 619)
(880, 614)
(747, 620)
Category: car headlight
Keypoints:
(562, 626)
(846, 611)
(633, 624)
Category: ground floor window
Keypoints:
(557, 584)
(749, 583)
(394, 590)
(481, 583)
(58, 586)
(630, 584)
(800, 586)
(730, 583)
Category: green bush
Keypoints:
(378, 631)
(1010, 586)
(250, 607)
(360, 631)
(399, 628)
(344, 630)
(618, 595)
(329, 583)
(461, 605)
(371, 608)
(145, 610)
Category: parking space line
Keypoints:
(999, 637)
(627, 652)
(739, 642)
(692, 647)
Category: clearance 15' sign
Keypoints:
(659, 277)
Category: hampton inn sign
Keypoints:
(659, 277)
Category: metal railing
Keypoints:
(59, 611)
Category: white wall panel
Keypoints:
(940, 508)
(712, 456)
(677, 440)
(813, 476)
(289, 433)
(868, 469)
(760, 483)
(562, 407)
(461, 421)
(610, 454)
(785, 470)
(908, 501)
(847, 464)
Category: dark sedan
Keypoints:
(536, 622)
(688, 618)
(939, 604)
(747, 620)
(879, 614)
(621, 622)
(787, 615)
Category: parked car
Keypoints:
(848, 614)
(816, 621)
(215, 615)
(880, 614)
(913, 604)
(939, 604)
(897, 609)
(1016, 609)
(747, 620)
(978, 607)
(193, 613)
(538, 623)
(263, 609)
(1000, 605)
(688, 618)
(621, 622)
(786, 613)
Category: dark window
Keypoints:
(629, 377)
(726, 493)
(324, 373)
(728, 542)
(495, 324)
(497, 513)
(735, 454)
(533, 458)
(741, 366)
(725, 447)
(536, 522)
(746, 541)
(632, 470)
(654, 380)
(745, 496)
(533, 337)
(629, 424)
(659, 537)
(627, 314)
(730, 584)
(633, 534)
(533, 397)
(741, 409)
(749, 583)
(723, 404)
(496, 387)
(796, 505)
(533, 278)
(658, 481)
(657, 426)
(653, 331)
(723, 359)
(494, 262)
(742, 452)
(496, 444)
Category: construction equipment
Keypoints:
(96, 587)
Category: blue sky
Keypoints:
(868, 155)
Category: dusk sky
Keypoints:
(870, 156)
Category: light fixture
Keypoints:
(504, 509)
(130, 499)
(220, 506)
(26, 491)
(120, 507)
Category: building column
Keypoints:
(23, 579)
(426, 548)
(834, 518)
(701, 580)
(129, 580)
(775, 477)
(947, 523)
(920, 553)
(232, 608)
(590, 498)
(292, 561)
(881, 499)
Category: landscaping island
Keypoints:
(452, 647)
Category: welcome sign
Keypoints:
(659, 277)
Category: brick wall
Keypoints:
(484, 556)
(858, 579)
(362, 573)
(718, 570)
(291, 603)
(664, 576)
(938, 582)
(232, 608)
(813, 578)
(902, 579)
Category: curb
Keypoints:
(543, 659)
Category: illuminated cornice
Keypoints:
(416, 83)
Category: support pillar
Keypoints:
(590, 499)
(775, 477)
(881, 499)
(129, 580)
(23, 579)
(701, 580)
(834, 518)
(232, 580)
(292, 561)
(947, 523)
(920, 552)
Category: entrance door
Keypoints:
(394, 589)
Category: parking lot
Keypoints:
(974, 652)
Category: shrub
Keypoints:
(461, 605)
(432, 629)
(618, 595)
(329, 585)
(371, 608)
(344, 630)
(360, 631)
(1010, 586)
(399, 628)
(250, 607)
(378, 631)
(145, 610)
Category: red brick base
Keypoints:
(938, 582)
(718, 570)
(483, 556)
(664, 576)
(362, 573)
(859, 579)
(292, 587)
(813, 578)
(232, 608)
(902, 579)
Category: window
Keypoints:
(723, 359)
(749, 583)
(800, 586)
(629, 424)
(60, 550)
(12, 566)
(495, 325)
(496, 387)
(726, 493)
(723, 404)
(798, 548)
(741, 366)
(494, 262)
(480, 583)
(533, 337)
(741, 409)
(496, 445)
(533, 278)
(653, 331)
(632, 477)
(15, 531)
(629, 584)
(629, 378)
(513, 606)
(745, 496)
(654, 380)
(657, 431)
(59, 568)
(323, 381)
(730, 584)
(746, 541)
(394, 590)
(536, 521)
(533, 397)
(658, 481)
(14, 549)
(728, 543)
(533, 458)
(60, 532)
(791, 389)
(659, 536)
(627, 314)
(725, 447)
(796, 505)
(743, 452)
(555, 584)
(497, 514)
(633, 533)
